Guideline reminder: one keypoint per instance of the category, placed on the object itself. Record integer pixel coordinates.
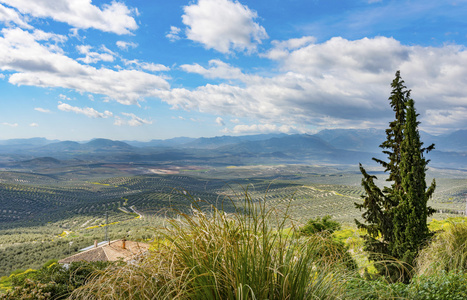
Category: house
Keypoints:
(128, 251)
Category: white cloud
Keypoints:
(436, 121)
(174, 34)
(146, 66)
(87, 111)
(42, 110)
(34, 125)
(10, 124)
(223, 25)
(37, 65)
(9, 16)
(217, 69)
(263, 128)
(2, 76)
(64, 97)
(337, 83)
(131, 120)
(220, 121)
(115, 17)
(125, 45)
(281, 49)
(93, 57)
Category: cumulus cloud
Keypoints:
(93, 57)
(10, 16)
(125, 45)
(223, 25)
(42, 110)
(174, 34)
(435, 121)
(220, 121)
(281, 49)
(217, 69)
(36, 64)
(33, 125)
(337, 83)
(130, 120)
(2, 76)
(87, 111)
(115, 17)
(146, 66)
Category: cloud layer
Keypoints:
(115, 17)
(41, 64)
(337, 83)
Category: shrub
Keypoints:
(447, 251)
(444, 285)
(209, 254)
(52, 281)
(324, 224)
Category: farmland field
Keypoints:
(52, 214)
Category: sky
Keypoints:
(143, 70)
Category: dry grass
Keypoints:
(209, 254)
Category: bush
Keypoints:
(447, 251)
(450, 285)
(324, 224)
(52, 281)
(209, 254)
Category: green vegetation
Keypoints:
(317, 225)
(29, 240)
(446, 252)
(52, 281)
(396, 216)
(210, 254)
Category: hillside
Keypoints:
(338, 146)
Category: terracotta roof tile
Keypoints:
(110, 252)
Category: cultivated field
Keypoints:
(50, 215)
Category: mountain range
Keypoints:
(338, 146)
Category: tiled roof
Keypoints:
(112, 251)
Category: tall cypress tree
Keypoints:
(395, 217)
(410, 227)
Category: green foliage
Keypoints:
(209, 254)
(324, 224)
(396, 216)
(446, 252)
(52, 281)
(444, 285)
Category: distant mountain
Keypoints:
(65, 146)
(367, 140)
(219, 141)
(162, 143)
(105, 145)
(15, 145)
(339, 146)
(456, 141)
(28, 142)
(96, 145)
(287, 143)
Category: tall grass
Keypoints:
(249, 254)
(446, 252)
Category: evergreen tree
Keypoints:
(395, 217)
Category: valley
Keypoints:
(53, 201)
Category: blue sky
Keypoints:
(142, 70)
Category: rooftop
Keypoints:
(110, 251)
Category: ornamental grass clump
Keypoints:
(447, 251)
(248, 254)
